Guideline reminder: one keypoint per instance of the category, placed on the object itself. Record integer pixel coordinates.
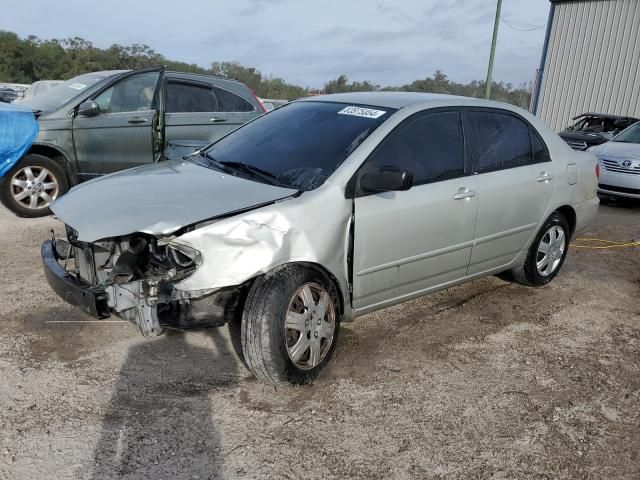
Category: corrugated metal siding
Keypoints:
(593, 62)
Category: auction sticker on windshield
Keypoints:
(361, 112)
(77, 86)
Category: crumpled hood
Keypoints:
(158, 199)
(620, 150)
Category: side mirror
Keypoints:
(88, 109)
(386, 179)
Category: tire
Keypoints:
(529, 272)
(295, 293)
(23, 179)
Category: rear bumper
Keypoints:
(91, 300)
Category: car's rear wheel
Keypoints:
(290, 325)
(32, 185)
(546, 254)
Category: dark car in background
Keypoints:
(7, 94)
(102, 122)
(590, 129)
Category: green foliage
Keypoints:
(440, 83)
(30, 59)
(341, 84)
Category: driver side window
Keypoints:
(132, 94)
(428, 145)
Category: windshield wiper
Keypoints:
(257, 172)
(209, 160)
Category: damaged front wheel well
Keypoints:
(319, 268)
(243, 289)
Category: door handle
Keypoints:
(464, 193)
(544, 177)
(137, 120)
(217, 119)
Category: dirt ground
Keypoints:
(486, 380)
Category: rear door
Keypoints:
(516, 180)
(408, 242)
(127, 131)
(199, 110)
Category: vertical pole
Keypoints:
(496, 24)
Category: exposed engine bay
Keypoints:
(137, 274)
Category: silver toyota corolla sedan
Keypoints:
(318, 212)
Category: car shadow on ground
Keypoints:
(159, 423)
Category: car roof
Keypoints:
(603, 115)
(205, 75)
(400, 100)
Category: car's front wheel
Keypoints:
(32, 185)
(546, 254)
(290, 324)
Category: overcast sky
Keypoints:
(390, 42)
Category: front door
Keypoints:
(408, 242)
(124, 133)
(516, 180)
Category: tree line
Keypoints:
(26, 60)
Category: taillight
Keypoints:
(598, 170)
(264, 110)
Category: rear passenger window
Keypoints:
(230, 102)
(498, 141)
(184, 97)
(431, 147)
(540, 152)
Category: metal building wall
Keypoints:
(593, 61)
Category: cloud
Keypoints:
(385, 41)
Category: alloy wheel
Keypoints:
(34, 187)
(550, 250)
(309, 326)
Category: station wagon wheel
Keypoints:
(32, 185)
(290, 324)
(546, 253)
(309, 326)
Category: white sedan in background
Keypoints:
(620, 164)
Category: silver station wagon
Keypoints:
(320, 211)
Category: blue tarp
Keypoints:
(18, 130)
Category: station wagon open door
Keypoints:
(126, 129)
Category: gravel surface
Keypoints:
(486, 380)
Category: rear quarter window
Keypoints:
(498, 140)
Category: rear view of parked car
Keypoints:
(590, 129)
(103, 122)
(38, 88)
(325, 209)
(620, 164)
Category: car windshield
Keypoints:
(630, 135)
(57, 96)
(297, 146)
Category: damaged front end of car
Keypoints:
(133, 277)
